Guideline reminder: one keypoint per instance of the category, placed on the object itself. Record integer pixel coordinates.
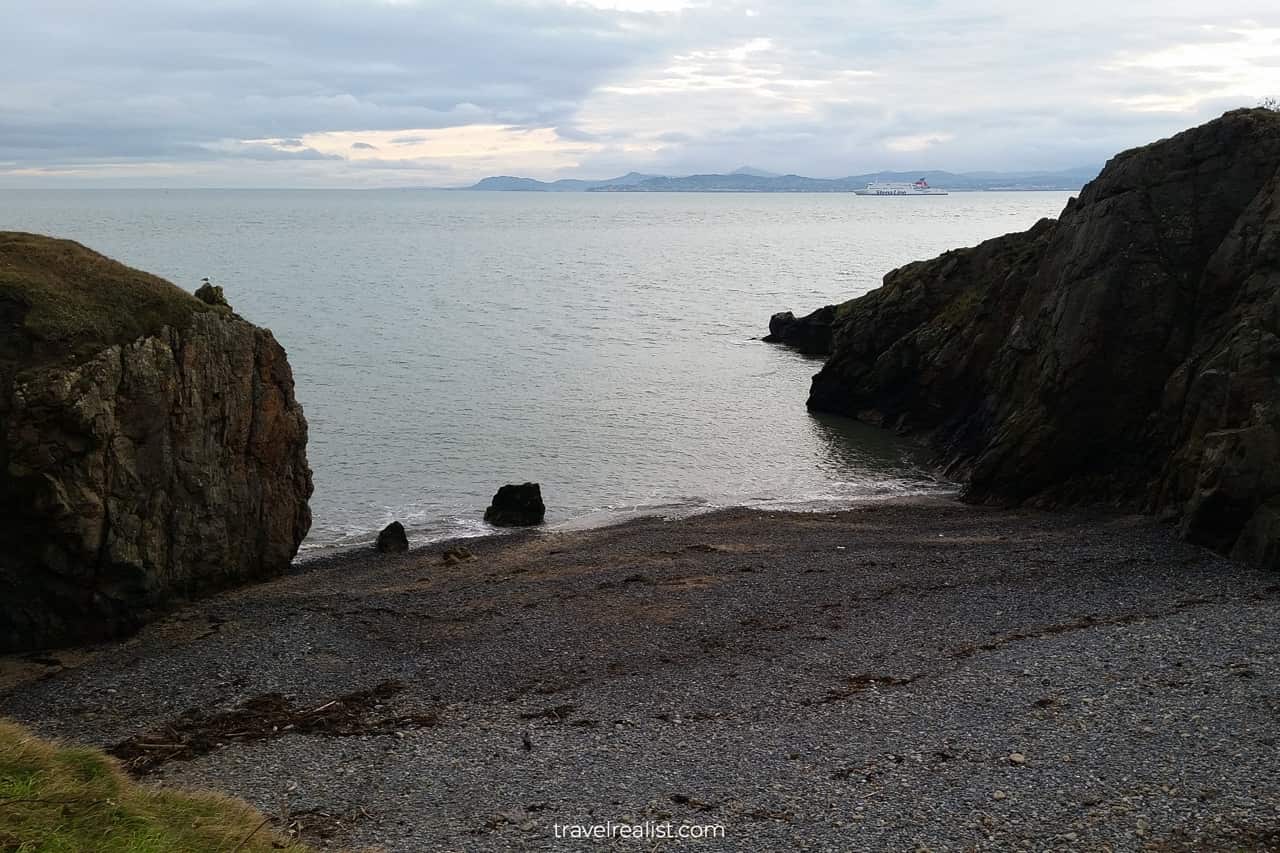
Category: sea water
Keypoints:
(604, 345)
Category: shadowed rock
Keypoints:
(516, 506)
(150, 446)
(211, 294)
(1127, 353)
(393, 539)
(810, 334)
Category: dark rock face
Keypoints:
(151, 448)
(211, 294)
(516, 506)
(1128, 352)
(810, 334)
(392, 539)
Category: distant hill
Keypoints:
(507, 183)
(749, 180)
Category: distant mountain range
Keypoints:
(749, 180)
(507, 183)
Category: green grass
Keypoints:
(74, 300)
(68, 799)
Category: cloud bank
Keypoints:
(418, 92)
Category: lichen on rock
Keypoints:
(151, 447)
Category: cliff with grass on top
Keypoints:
(151, 448)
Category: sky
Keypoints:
(370, 93)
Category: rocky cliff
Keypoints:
(810, 334)
(1127, 353)
(150, 446)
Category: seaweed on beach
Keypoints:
(198, 732)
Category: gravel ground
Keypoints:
(915, 675)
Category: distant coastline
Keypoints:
(748, 180)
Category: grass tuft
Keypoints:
(59, 799)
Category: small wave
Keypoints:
(420, 528)
(423, 529)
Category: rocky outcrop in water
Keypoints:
(516, 506)
(810, 334)
(392, 539)
(150, 446)
(1128, 352)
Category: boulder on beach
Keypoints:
(1127, 353)
(516, 506)
(392, 539)
(151, 448)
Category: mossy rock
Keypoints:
(211, 294)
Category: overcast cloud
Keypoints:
(418, 92)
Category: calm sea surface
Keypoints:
(445, 343)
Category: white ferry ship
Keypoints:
(920, 187)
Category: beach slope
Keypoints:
(903, 675)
